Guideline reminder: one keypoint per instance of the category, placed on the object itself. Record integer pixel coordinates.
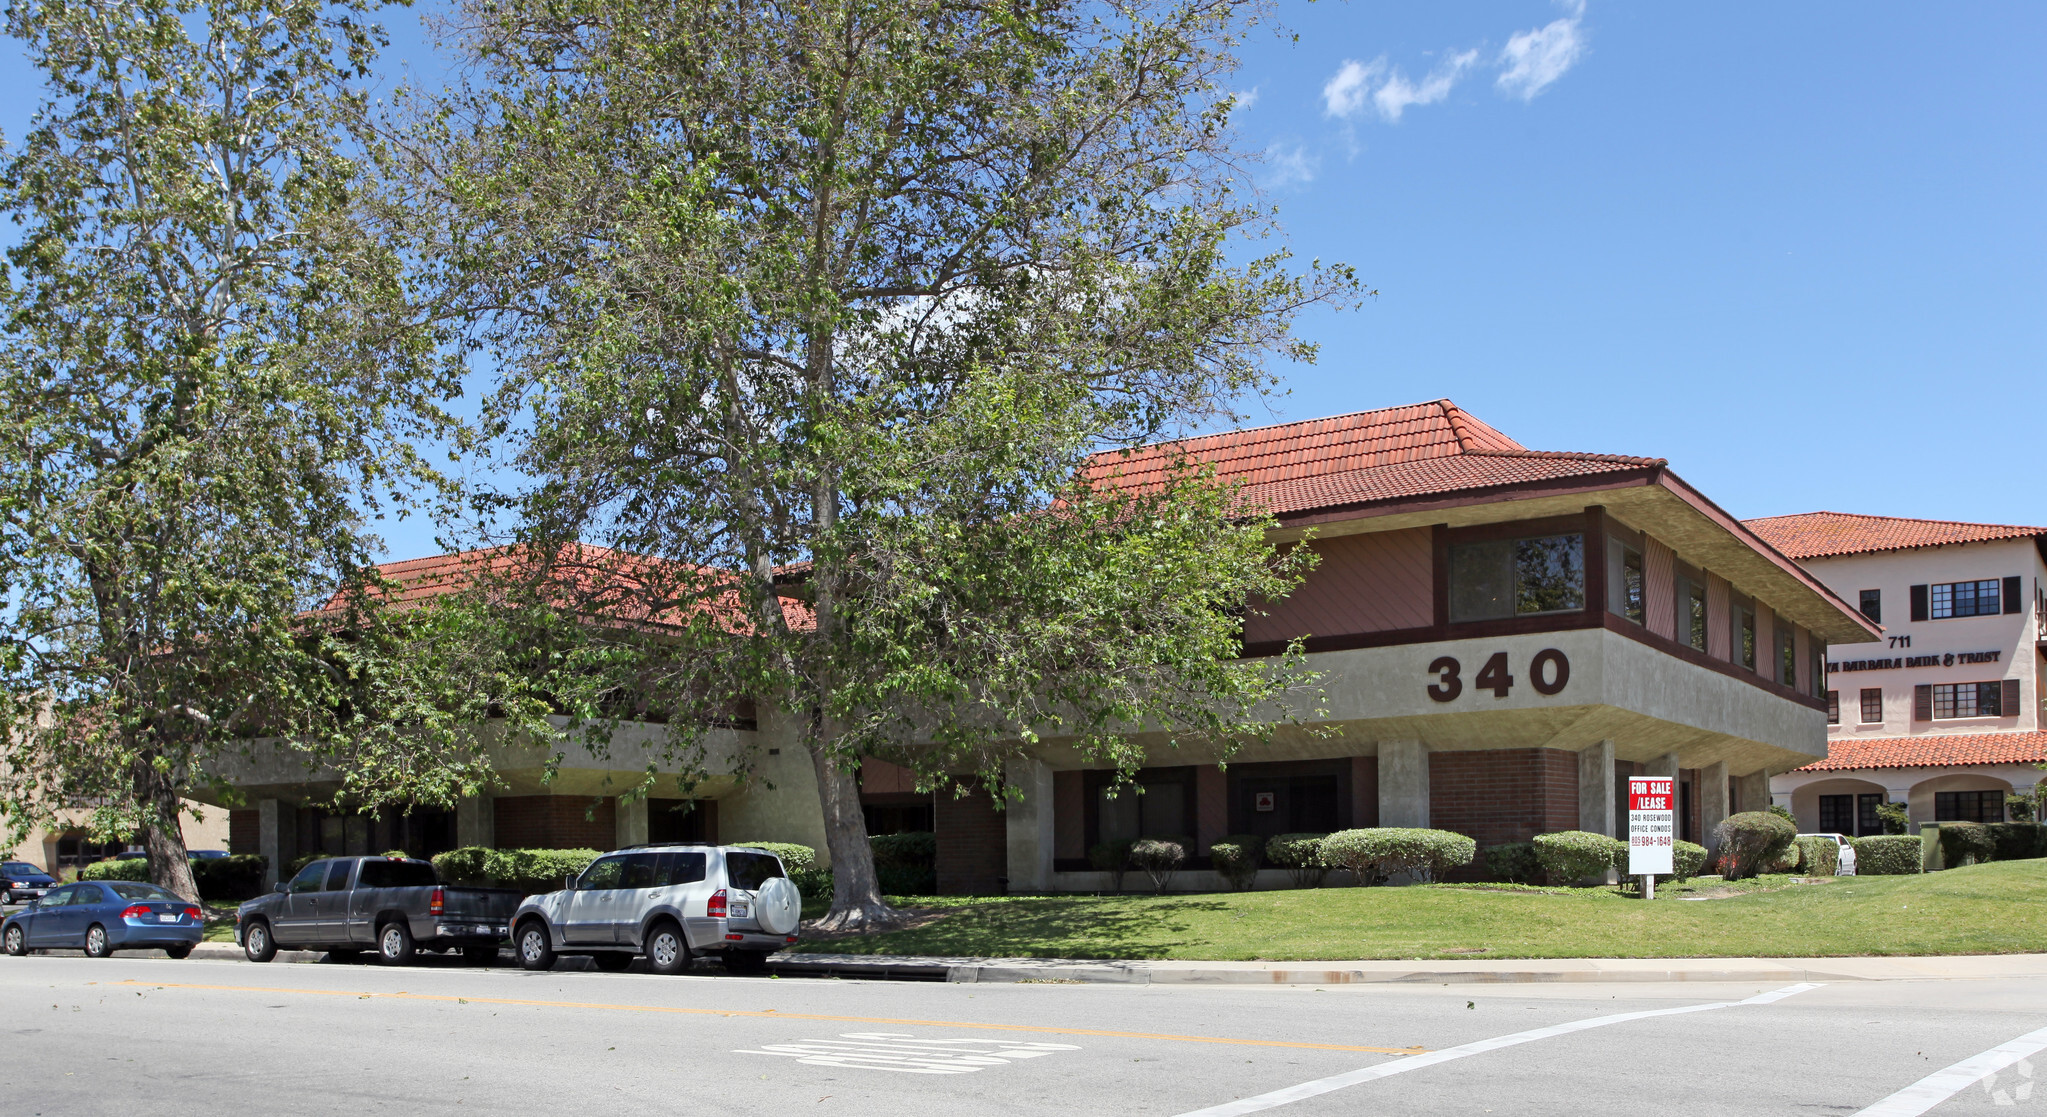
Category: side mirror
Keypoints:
(569, 882)
(280, 886)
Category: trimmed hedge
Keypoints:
(1817, 857)
(1752, 842)
(1159, 859)
(1966, 843)
(793, 856)
(2018, 841)
(1881, 855)
(132, 868)
(221, 879)
(1235, 858)
(1570, 856)
(529, 870)
(816, 884)
(1300, 855)
(1514, 863)
(1374, 855)
(912, 849)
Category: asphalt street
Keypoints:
(141, 1034)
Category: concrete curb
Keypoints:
(1505, 972)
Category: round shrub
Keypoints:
(1159, 859)
(1235, 858)
(1893, 818)
(1571, 856)
(1374, 855)
(1113, 858)
(1514, 862)
(793, 856)
(463, 866)
(1687, 858)
(1753, 841)
(1966, 843)
(1886, 855)
(133, 868)
(1300, 855)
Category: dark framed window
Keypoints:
(1689, 598)
(1787, 653)
(1866, 821)
(1624, 581)
(1155, 803)
(1872, 605)
(1837, 814)
(1965, 599)
(1742, 620)
(1872, 705)
(1833, 709)
(1290, 797)
(1517, 577)
(1968, 806)
(1968, 700)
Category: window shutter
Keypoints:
(2010, 706)
(1922, 700)
(1918, 603)
(2011, 594)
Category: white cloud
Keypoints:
(1346, 92)
(1244, 100)
(1535, 59)
(1291, 164)
(1398, 93)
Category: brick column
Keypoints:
(1595, 789)
(1028, 825)
(1403, 783)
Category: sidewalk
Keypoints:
(1439, 972)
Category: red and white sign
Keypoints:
(1263, 800)
(1652, 824)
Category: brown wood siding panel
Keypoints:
(1211, 808)
(557, 822)
(1069, 814)
(1803, 656)
(1376, 582)
(973, 844)
(1364, 791)
(1718, 643)
(244, 831)
(1767, 664)
(879, 777)
(1659, 587)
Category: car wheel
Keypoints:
(667, 950)
(536, 952)
(746, 961)
(17, 941)
(480, 955)
(97, 945)
(182, 950)
(257, 943)
(394, 944)
(612, 961)
(6, 898)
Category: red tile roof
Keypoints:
(1821, 534)
(1395, 452)
(1931, 750)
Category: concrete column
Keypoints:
(1665, 765)
(273, 841)
(476, 821)
(1752, 792)
(1403, 783)
(1595, 790)
(629, 822)
(1712, 792)
(1028, 822)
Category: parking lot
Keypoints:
(147, 1033)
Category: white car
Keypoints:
(669, 902)
(1847, 865)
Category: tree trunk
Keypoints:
(162, 834)
(856, 891)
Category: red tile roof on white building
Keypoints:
(1931, 750)
(1825, 534)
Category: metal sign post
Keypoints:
(1652, 829)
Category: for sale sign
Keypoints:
(1652, 824)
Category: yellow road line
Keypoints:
(771, 1014)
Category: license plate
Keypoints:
(166, 919)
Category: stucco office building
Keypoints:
(1944, 713)
(1505, 635)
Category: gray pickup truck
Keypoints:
(393, 905)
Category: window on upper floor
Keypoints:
(1517, 577)
(1964, 599)
(1742, 623)
(1690, 599)
(1968, 700)
(1872, 605)
(1787, 653)
(1833, 707)
(1624, 590)
(1872, 705)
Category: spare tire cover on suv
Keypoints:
(777, 906)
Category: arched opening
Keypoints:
(1837, 806)
(1960, 797)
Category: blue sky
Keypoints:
(1798, 250)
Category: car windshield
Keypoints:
(749, 870)
(133, 890)
(21, 867)
(397, 874)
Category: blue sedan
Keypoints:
(20, 880)
(100, 917)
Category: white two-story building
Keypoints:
(1944, 713)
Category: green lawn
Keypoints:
(1999, 908)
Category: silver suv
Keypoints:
(669, 902)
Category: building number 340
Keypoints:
(1548, 671)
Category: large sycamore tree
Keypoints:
(208, 376)
(829, 303)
